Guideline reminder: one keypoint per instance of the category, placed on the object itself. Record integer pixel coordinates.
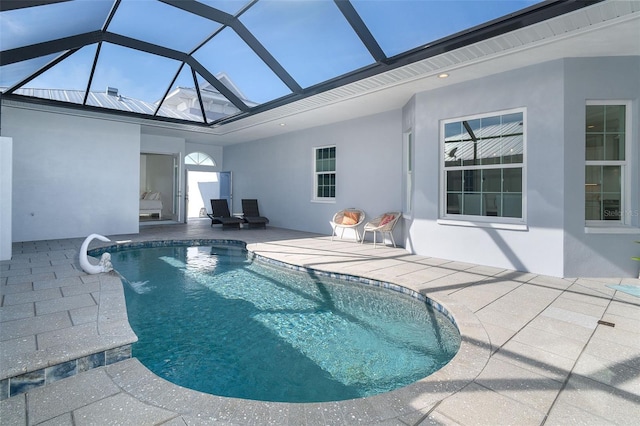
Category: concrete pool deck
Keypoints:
(532, 353)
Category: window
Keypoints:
(606, 137)
(199, 159)
(483, 167)
(325, 174)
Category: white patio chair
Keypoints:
(383, 224)
(347, 219)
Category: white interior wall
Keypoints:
(540, 247)
(73, 176)
(278, 171)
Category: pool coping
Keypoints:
(544, 367)
(83, 347)
(415, 400)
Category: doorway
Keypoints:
(203, 187)
(160, 184)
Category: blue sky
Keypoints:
(310, 38)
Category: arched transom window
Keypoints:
(199, 159)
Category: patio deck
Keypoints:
(532, 353)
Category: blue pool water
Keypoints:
(211, 319)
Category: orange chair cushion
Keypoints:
(350, 218)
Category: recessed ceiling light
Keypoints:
(283, 124)
(443, 75)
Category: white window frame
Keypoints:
(496, 222)
(625, 222)
(316, 173)
(197, 158)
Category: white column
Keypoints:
(6, 173)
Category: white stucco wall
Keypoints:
(554, 243)
(278, 171)
(609, 253)
(73, 176)
(540, 247)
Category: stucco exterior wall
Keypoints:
(278, 171)
(608, 253)
(554, 242)
(72, 176)
(539, 248)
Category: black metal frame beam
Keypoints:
(42, 70)
(178, 56)
(529, 16)
(154, 49)
(81, 40)
(94, 64)
(6, 5)
(224, 90)
(112, 13)
(166, 93)
(234, 23)
(197, 86)
(361, 29)
(45, 48)
(532, 15)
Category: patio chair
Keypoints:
(347, 219)
(220, 214)
(252, 214)
(383, 224)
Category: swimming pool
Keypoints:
(212, 319)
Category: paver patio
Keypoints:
(533, 351)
